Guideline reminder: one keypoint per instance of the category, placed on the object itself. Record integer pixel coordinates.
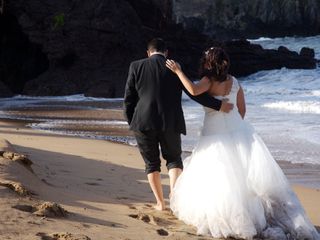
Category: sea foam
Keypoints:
(297, 106)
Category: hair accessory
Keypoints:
(207, 52)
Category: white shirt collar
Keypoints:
(159, 53)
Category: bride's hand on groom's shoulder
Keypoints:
(173, 66)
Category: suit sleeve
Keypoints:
(205, 99)
(130, 95)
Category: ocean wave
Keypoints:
(91, 135)
(297, 106)
(315, 93)
(76, 97)
(282, 85)
(71, 101)
(61, 123)
(260, 39)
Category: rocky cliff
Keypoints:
(70, 47)
(249, 18)
(78, 45)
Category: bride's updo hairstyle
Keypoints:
(215, 64)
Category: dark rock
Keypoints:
(20, 59)
(246, 18)
(73, 47)
(283, 49)
(148, 13)
(83, 42)
(102, 89)
(5, 91)
(248, 59)
(55, 82)
(307, 52)
(194, 24)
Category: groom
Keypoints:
(152, 106)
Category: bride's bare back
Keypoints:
(220, 88)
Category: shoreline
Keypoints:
(305, 174)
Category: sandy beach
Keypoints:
(101, 185)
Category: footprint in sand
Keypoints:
(148, 218)
(92, 184)
(122, 198)
(166, 222)
(162, 232)
(34, 223)
(132, 207)
(46, 182)
(151, 220)
(143, 217)
(147, 206)
(86, 225)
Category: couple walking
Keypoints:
(230, 186)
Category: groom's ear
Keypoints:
(148, 53)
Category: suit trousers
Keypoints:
(169, 143)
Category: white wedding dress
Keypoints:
(232, 187)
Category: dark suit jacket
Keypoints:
(152, 98)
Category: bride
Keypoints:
(231, 186)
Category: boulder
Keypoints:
(307, 52)
(247, 58)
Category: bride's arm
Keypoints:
(194, 89)
(241, 104)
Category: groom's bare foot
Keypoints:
(160, 207)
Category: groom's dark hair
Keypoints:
(157, 45)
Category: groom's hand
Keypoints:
(225, 106)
